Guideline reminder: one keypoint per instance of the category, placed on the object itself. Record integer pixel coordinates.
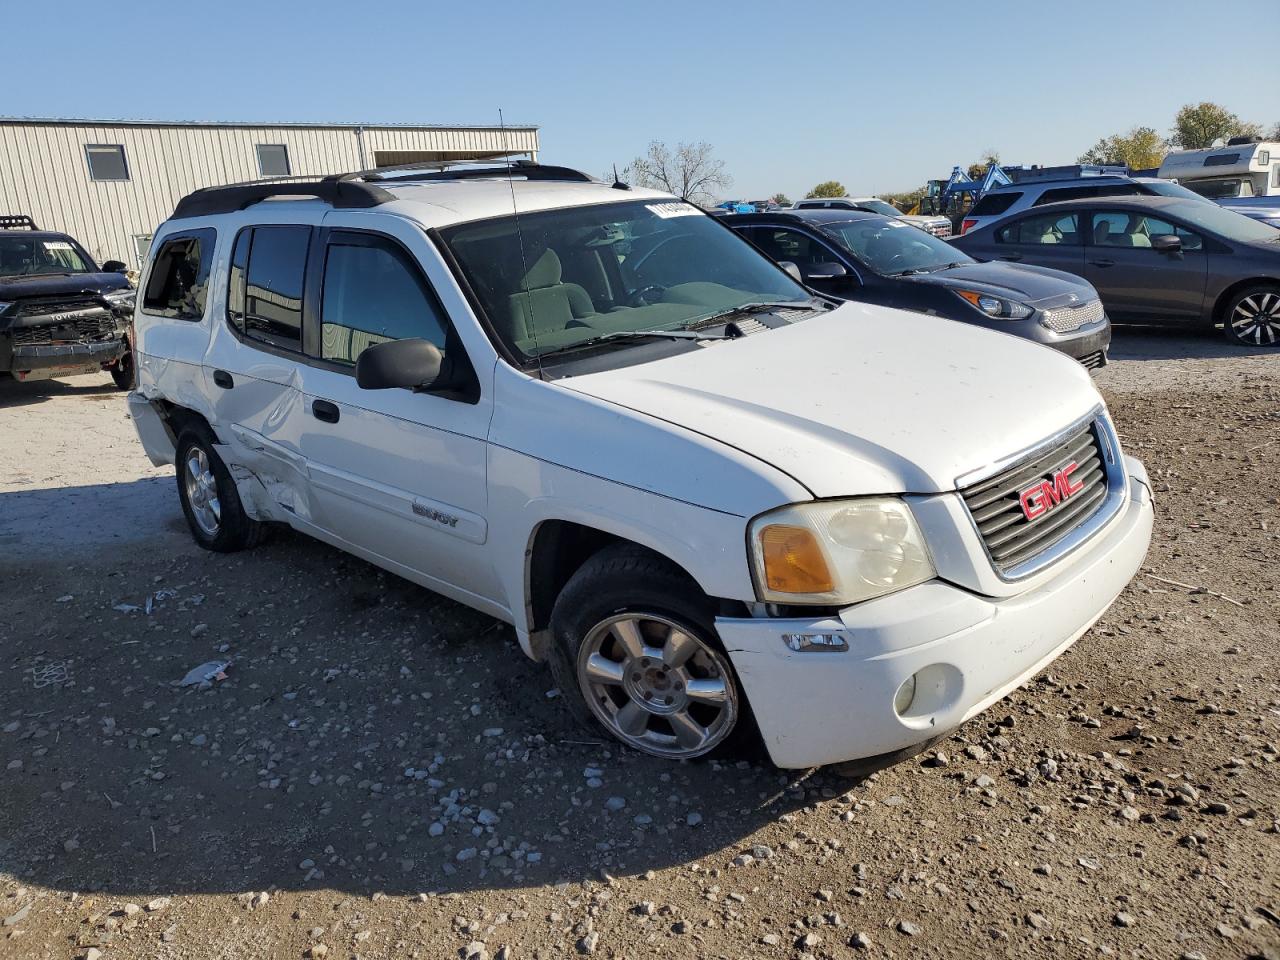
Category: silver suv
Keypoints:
(1003, 201)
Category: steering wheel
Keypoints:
(646, 295)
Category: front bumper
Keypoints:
(967, 651)
(42, 360)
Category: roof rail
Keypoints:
(17, 221)
(343, 194)
(444, 170)
(358, 190)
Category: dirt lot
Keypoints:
(383, 775)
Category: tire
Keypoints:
(209, 498)
(633, 635)
(122, 372)
(1252, 317)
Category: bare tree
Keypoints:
(690, 171)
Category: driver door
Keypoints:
(1137, 282)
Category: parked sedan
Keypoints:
(1153, 259)
(863, 256)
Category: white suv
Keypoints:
(715, 503)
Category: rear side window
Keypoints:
(1050, 228)
(179, 279)
(372, 293)
(994, 204)
(268, 269)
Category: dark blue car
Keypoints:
(863, 256)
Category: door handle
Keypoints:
(223, 379)
(1012, 257)
(1102, 263)
(324, 410)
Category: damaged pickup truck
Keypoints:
(60, 313)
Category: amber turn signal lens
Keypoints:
(969, 295)
(793, 560)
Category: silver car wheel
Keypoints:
(656, 686)
(202, 492)
(1256, 319)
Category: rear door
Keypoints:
(1047, 239)
(1138, 282)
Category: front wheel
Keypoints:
(122, 371)
(635, 642)
(1252, 318)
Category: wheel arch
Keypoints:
(1224, 298)
(556, 549)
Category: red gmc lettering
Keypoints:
(1044, 496)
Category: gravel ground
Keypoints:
(383, 775)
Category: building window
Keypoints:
(106, 161)
(273, 160)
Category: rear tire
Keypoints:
(635, 652)
(1252, 317)
(209, 497)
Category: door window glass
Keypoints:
(788, 246)
(1048, 228)
(268, 267)
(179, 277)
(372, 293)
(1115, 228)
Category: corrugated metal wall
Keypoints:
(44, 173)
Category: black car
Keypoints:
(863, 256)
(1154, 260)
(60, 313)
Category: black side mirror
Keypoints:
(824, 271)
(1167, 243)
(114, 266)
(408, 364)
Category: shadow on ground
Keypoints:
(58, 521)
(377, 734)
(1176, 343)
(20, 394)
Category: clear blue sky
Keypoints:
(879, 96)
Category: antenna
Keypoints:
(524, 263)
(617, 183)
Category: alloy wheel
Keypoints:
(656, 686)
(202, 492)
(1256, 319)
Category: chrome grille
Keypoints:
(995, 503)
(77, 329)
(940, 229)
(1068, 319)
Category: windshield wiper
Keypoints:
(633, 335)
(762, 306)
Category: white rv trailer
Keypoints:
(1237, 170)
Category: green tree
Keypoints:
(1198, 125)
(904, 201)
(828, 188)
(782, 200)
(1141, 147)
(977, 170)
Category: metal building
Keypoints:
(109, 183)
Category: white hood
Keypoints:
(863, 399)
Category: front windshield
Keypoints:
(39, 256)
(1226, 223)
(561, 277)
(880, 207)
(893, 247)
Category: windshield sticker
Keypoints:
(56, 245)
(675, 209)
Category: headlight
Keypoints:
(995, 306)
(5, 304)
(121, 298)
(837, 551)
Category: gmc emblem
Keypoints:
(1039, 499)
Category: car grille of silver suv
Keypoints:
(1040, 507)
(1070, 319)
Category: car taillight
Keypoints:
(966, 225)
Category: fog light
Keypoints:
(825, 642)
(905, 696)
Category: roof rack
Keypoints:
(17, 221)
(359, 190)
